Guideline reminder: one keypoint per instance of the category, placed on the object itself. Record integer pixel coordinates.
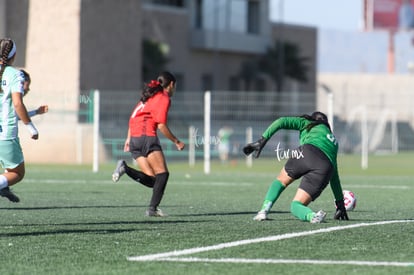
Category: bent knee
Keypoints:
(164, 175)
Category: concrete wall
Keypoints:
(74, 45)
(377, 93)
(110, 44)
(14, 26)
(3, 19)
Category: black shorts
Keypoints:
(313, 166)
(143, 146)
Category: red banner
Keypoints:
(389, 14)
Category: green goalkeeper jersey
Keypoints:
(319, 136)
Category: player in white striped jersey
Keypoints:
(12, 108)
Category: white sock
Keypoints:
(3, 182)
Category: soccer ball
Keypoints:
(349, 200)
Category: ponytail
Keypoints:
(165, 78)
(155, 86)
(150, 89)
(317, 118)
(7, 51)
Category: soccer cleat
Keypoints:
(260, 216)
(7, 193)
(119, 170)
(155, 213)
(318, 217)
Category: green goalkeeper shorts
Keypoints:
(11, 154)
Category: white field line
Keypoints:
(168, 255)
(284, 261)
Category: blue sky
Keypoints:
(324, 14)
(343, 46)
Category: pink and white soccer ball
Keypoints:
(349, 200)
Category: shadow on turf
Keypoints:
(95, 231)
(73, 207)
(139, 206)
(227, 214)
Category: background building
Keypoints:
(71, 48)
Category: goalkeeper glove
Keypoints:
(255, 146)
(340, 213)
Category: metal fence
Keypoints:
(240, 111)
(235, 110)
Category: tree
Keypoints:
(284, 59)
(153, 59)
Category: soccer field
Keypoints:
(73, 221)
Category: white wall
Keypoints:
(377, 92)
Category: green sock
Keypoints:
(301, 211)
(275, 189)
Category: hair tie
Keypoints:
(154, 84)
(12, 51)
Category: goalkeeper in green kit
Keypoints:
(314, 161)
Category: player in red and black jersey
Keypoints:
(142, 141)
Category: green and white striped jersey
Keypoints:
(11, 82)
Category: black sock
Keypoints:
(158, 189)
(140, 177)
